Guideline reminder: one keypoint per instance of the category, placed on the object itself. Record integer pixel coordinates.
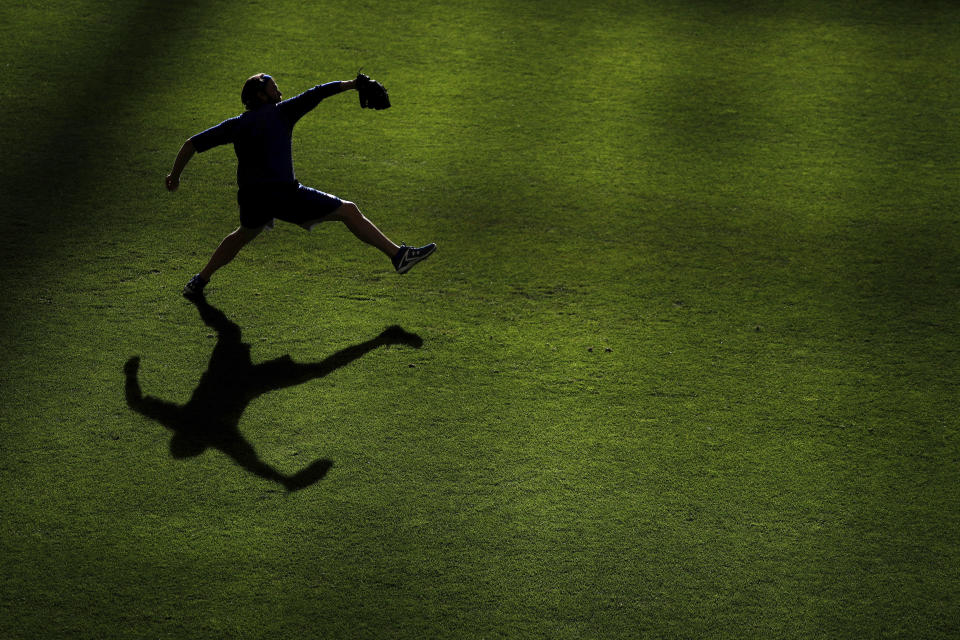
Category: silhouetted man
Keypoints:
(268, 187)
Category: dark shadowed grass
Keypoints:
(689, 351)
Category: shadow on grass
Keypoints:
(210, 418)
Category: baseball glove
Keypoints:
(373, 95)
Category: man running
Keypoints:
(268, 187)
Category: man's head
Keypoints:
(259, 90)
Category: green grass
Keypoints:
(690, 351)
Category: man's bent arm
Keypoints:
(186, 152)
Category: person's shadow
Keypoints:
(211, 417)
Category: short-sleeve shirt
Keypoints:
(263, 138)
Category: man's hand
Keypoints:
(173, 183)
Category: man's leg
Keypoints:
(360, 226)
(228, 250)
(402, 256)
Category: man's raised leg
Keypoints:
(360, 226)
(402, 256)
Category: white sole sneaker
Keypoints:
(409, 256)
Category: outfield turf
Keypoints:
(689, 362)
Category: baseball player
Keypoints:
(268, 187)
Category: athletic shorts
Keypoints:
(293, 203)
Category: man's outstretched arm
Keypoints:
(186, 152)
(299, 105)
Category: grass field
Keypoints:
(689, 360)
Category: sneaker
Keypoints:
(194, 288)
(409, 256)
